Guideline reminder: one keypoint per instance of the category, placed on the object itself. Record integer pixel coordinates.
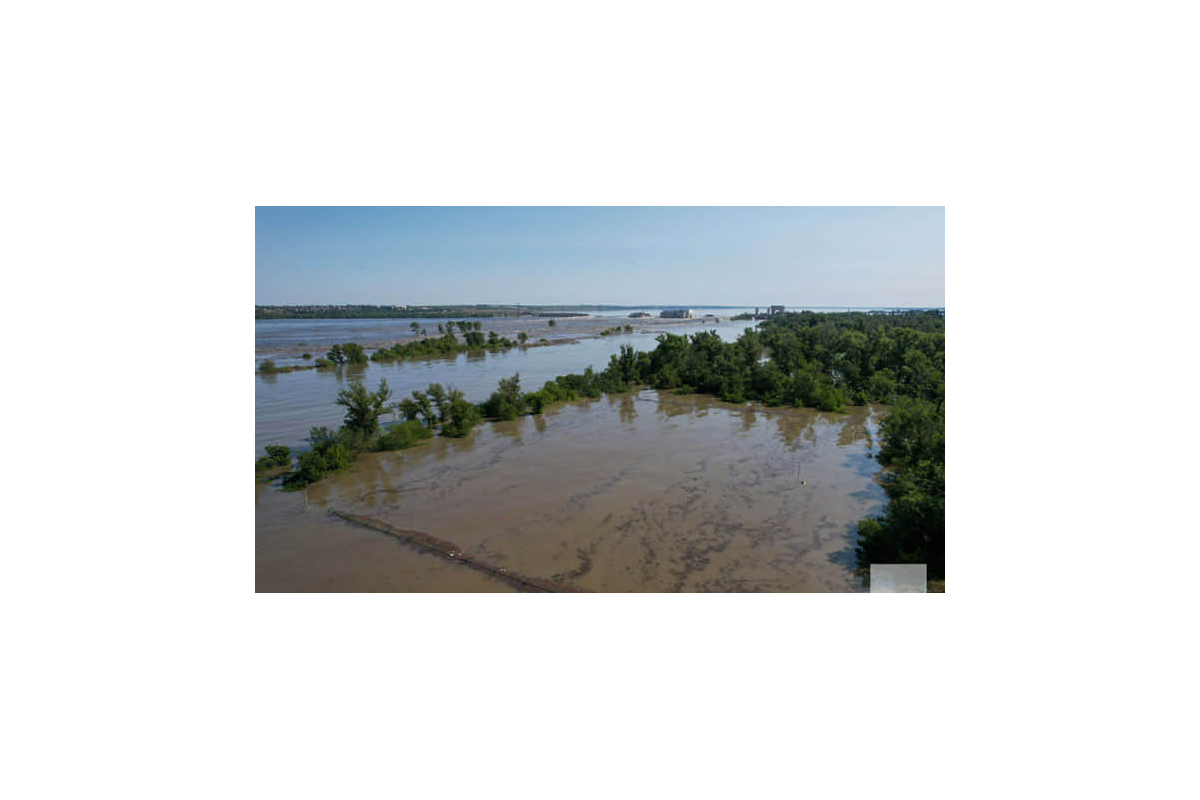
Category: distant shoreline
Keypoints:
(486, 311)
(438, 312)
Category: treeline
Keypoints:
(444, 411)
(447, 344)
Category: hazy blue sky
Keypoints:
(621, 256)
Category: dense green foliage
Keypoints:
(615, 330)
(330, 452)
(277, 456)
(403, 435)
(363, 408)
(506, 402)
(348, 353)
(912, 528)
(740, 317)
(445, 345)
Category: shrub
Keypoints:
(404, 435)
(306, 356)
(315, 465)
(277, 456)
(464, 415)
(268, 367)
(535, 401)
(500, 407)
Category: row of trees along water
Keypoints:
(820, 360)
(446, 343)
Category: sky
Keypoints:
(688, 256)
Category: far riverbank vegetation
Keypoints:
(824, 361)
(408, 312)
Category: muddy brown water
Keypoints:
(645, 491)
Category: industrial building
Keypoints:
(676, 313)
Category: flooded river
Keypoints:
(287, 405)
(645, 491)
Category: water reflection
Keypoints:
(628, 409)
(509, 429)
(855, 428)
(787, 429)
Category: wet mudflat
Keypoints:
(640, 492)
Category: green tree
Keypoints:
(424, 407)
(440, 399)
(464, 415)
(551, 323)
(363, 408)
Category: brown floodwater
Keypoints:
(645, 491)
